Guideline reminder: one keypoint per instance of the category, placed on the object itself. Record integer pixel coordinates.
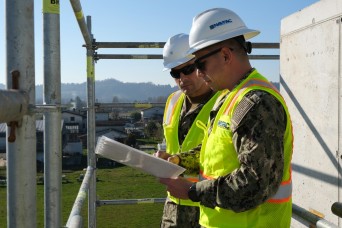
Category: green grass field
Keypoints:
(117, 183)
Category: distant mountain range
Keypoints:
(106, 90)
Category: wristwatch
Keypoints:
(192, 193)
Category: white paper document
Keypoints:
(132, 157)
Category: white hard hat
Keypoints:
(175, 51)
(215, 25)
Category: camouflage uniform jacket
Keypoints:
(258, 141)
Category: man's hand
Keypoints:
(170, 158)
(174, 159)
(178, 187)
(162, 155)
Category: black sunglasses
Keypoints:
(185, 70)
(201, 65)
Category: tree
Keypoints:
(136, 116)
(79, 103)
(161, 99)
(151, 129)
(115, 114)
(115, 99)
(131, 140)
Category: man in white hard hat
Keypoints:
(191, 104)
(245, 160)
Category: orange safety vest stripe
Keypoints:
(192, 179)
(171, 106)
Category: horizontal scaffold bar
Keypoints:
(161, 45)
(336, 208)
(301, 214)
(130, 201)
(128, 105)
(142, 56)
(129, 44)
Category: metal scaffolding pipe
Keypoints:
(21, 153)
(76, 6)
(336, 208)
(303, 215)
(14, 105)
(126, 56)
(81, 196)
(266, 45)
(91, 131)
(161, 45)
(129, 44)
(130, 201)
(128, 105)
(263, 57)
(156, 56)
(45, 108)
(76, 222)
(52, 119)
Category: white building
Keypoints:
(152, 113)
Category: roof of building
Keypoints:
(77, 113)
(39, 126)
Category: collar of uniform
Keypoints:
(244, 77)
(187, 104)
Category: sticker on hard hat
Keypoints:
(220, 23)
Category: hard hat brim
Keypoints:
(247, 33)
(178, 62)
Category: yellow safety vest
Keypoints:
(219, 158)
(194, 136)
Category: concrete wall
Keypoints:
(310, 81)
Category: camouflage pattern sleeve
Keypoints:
(258, 140)
(190, 161)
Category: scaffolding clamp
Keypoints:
(13, 124)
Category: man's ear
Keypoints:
(226, 53)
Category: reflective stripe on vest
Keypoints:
(204, 177)
(283, 194)
(171, 107)
(250, 83)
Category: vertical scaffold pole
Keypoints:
(91, 131)
(52, 120)
(21, 154)
(85, 29)
(339, 159)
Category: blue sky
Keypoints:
(146, 21)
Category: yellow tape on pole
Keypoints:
(51, 6)
(90, 67)
(79, 15)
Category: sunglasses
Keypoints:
(200, 65)
(185, 70)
